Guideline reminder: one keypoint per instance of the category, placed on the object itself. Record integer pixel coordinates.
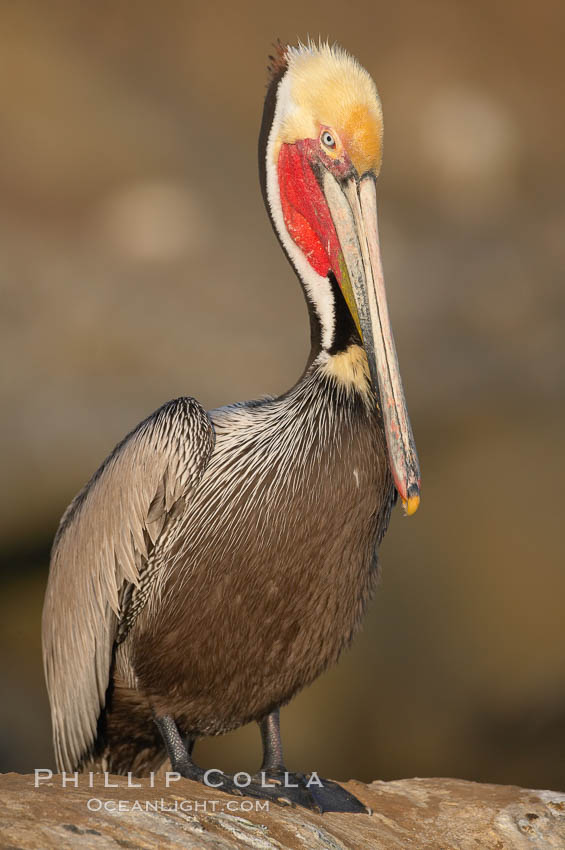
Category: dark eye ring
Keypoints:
(328, 140)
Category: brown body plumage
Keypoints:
(254, 606)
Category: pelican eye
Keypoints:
(328, 140)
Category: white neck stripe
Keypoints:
(317, 288)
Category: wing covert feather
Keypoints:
(99, 546)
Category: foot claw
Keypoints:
(331, 797)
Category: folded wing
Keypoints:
(100, 554)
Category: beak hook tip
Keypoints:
(412, 501)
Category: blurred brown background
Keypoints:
(137, 264)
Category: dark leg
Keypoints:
(180, 755)
(272, 744)
(179, 751)
(310, 791)
(292, 786)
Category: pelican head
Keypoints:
(322, 157)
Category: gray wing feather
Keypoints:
(102, 542)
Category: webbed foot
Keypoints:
(311, 792)
(262, 788)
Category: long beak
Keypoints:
(353, 207)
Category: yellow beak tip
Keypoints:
(411, 505)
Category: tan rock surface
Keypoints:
(447, 814)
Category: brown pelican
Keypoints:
(218, 562)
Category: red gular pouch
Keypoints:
(305, 209)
